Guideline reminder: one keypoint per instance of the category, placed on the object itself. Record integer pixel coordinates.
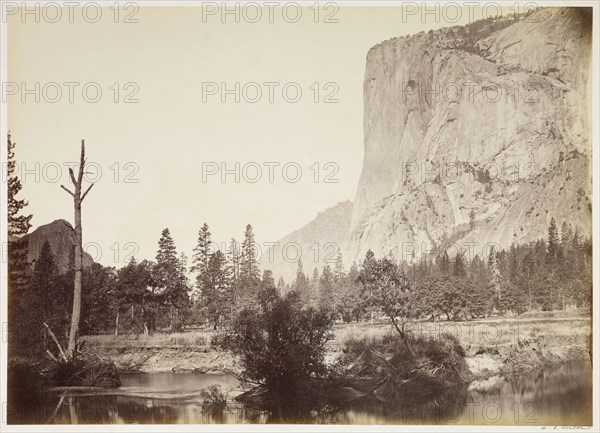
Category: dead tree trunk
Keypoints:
(77, 200)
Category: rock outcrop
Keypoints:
(61, 237)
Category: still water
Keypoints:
(560, 396)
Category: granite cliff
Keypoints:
(474, 136)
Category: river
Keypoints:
(557, 396)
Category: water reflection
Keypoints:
(561, 396)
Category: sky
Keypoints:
(157, 159)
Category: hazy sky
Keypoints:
(170, 132)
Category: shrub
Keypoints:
(386, 365)
(213, 396)
(280, 342)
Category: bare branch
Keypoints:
(72, 176)
(67, 189)
(81, 162)
(86, 191)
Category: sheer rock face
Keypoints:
(475, 136)
(61, 237)
(490, 121)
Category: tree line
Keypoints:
(143, 297)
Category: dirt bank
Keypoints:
(539, 342)
(176, 359)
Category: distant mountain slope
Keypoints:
(316, 242)
(61, 237)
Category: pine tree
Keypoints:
(566, 234)
(215, 289)
(200, 258)
(495, 278)
(281, 286)
(43, 297)
(326, 288)
(444, 263)
(18, 225)
(249, 272)
(301, 284)
(553, 241)
(182, 270)
(459, 270)
(169, 279)
(354, 296)
(267, 282)
(338, 272)
(313, 287)
(233, 271)
(167, 263)
(339, 287)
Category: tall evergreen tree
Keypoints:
(444, 263)
(326, 288)
(200, 258)
(249, 272)
(18, 226)
(43, 297)
(281, 289)
(553, 240)
(301, 283)
(169, 279)
(215, 289)
(495, 277)
(459, 270)
(233, 271)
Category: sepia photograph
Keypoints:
(299, 216)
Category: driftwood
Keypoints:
(62, 353)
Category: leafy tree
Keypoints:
(281, 344)
(385, 288)
(100, 300)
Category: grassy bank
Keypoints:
(492, 346)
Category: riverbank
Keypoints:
(492, 346)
